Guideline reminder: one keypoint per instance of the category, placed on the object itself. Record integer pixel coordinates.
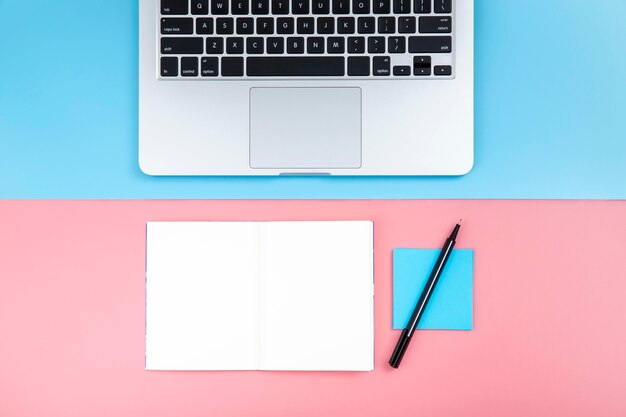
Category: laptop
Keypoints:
(306, 87)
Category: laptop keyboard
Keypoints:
(286, 39)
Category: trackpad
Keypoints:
(305, 128)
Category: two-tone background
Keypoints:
(543, 208)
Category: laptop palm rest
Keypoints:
(305, 128)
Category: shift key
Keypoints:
(180, 45)
(430, 44)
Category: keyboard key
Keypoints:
(169, 66)
(366, 24)
(326, 25)
(336, 45)
(356, 45)
(214, 45)
(177, 26)
(234, 45)
(421, 65)
(304, 25)
(295, 45)
(321, 6)
(300, 6)
(396, 44)
(386, 25)
(443, 70)
(435, 24)
(401, 6)
(280, 7)
(345, 25)
(430, 44)
(421, 6)
(240, 6)
(179, 46)
(382, 6)
(360, 6)
(189, 66)
(284, 25)
(275, 45)
(406, 25)
(204, 26)
(174, 6)
(315, 45)
(422, 61)
(245, 26)
(199, 7)
(295, 66)
(402, 70)
(359, 65)
(382, 65)
(265, 26)
(254, 45)
(341, 6)
(260, 6)
(443, 6)
(209, 66)
(232, 67)
(376, 45)
(224, 26)
(219, 7)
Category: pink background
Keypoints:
(550, 314)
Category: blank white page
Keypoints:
(317, 296)
(202, 296)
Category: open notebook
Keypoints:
(259, 295)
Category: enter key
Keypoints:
(435, 24)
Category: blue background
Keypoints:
(451, 304)
(550, 108)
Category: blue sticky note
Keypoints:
(451, 304)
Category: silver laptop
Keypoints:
(301, 87)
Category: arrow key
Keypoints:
(401, 70)
(443, 70)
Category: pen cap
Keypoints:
(398, 352)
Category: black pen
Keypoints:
(407, 333)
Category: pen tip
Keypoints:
(459, 223)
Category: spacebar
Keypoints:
(287, 66)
